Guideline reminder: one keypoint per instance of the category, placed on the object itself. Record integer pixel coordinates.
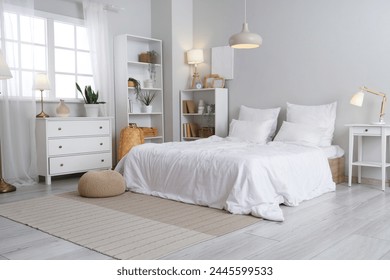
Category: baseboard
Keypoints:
(367, 181)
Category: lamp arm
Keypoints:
(383, 106)
(372, 91)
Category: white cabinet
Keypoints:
(73, 145)
(127, 49)
(195, 124)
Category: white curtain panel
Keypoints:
(95, 17)
(17, 109)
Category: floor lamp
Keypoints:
(4, 74)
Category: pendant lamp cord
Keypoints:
(245, 11)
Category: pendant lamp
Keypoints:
(245, 39)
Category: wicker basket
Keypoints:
(337, 169)
(150, 131)
(205, 132)
(145, 57)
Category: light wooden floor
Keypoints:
(351, 223)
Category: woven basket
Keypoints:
(205, 132)
(129, 137)
(145, 57)
(150, 131)
(337, 169)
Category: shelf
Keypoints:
(140, 113)
(154, 137)
(370, 164)
(150, 89)
(200, 90)
(197, 114)
(143, 63)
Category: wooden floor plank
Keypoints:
(352, 222)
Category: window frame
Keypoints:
(50, 18)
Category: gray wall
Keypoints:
(313, 52)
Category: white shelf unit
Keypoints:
(217, 119)
(127, 108)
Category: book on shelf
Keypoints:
(189, 107)
(190, 130)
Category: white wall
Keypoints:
(313, 52)
(172, 22)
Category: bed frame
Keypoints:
(337, 168)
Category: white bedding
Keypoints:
(241, 177)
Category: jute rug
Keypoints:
(129, 226)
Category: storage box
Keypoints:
(147, 57)
(150, 131)
(205, 132)
(337, 169)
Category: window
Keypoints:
(47, 43)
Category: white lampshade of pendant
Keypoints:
(357, 99)
(5, 73)
(245, 39)
(41, 82)
(195, 56)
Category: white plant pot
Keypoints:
(147, 109)
(91, 110)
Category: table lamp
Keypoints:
(357, 100)
(42, 83)
(195, 56)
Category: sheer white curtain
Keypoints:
(95, 17)
(17, 106)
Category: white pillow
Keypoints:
(322, 116)
(259, 115)
(256, 132)
(299, 133)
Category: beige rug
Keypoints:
(129, 226)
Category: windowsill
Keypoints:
(67, 101)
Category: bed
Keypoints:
(244, 173)
(240, 177)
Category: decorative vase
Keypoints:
(62, 110)
(91, 110)
(147, 109)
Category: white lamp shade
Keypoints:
(357, 99)
(41, 82)
(245, 39)
(195, 56)
(4, 70)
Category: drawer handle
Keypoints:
(61, 164)
(59, 128)
(102, 160)
(366, 130)
(60, 147)
(100, 127)
(101, 144)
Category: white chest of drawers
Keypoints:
(73, 145)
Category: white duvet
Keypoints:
(241, 177)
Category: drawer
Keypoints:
(78, 128)
(371, 131)
(79, 163)
(66, 146)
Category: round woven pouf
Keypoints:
(101, 184)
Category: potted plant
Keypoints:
(131, 82)
(91, 100)
(146, 98)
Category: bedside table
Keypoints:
(373, 130)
